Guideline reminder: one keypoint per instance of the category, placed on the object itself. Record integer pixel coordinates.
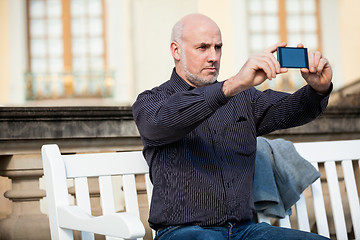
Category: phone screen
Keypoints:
(291, 57)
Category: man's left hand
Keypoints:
(319, 74)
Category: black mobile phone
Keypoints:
(291, 57)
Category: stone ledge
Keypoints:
(22, 123)
(336, 123)
(73, 127)
(65, 113)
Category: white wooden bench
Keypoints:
(65, 217)
(330, 154)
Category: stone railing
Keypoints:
(69, 84)
(96, 129)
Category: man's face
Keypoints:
(200, 56)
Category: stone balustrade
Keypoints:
(23, 130)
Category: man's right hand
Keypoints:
(255, 71)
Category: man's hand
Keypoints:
(264, 66)
(319, 74)
(255, 71)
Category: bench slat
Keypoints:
(107, 198)
(98, 164)
(352, 195)
(83, 201)
(82, 194)
(302, 214)
(319, 206)
(335, 197)
(263, 218)
(329, 150)
(149, 189)
(285, 222)
(106, 195)
(130, 195)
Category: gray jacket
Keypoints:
(281, 175)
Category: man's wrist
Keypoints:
(326, 92)
(229, 89)
(226, 88)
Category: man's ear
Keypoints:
(175, 50)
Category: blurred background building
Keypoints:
(96, 52)
(93, 57)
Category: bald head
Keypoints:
(190, 24)
(196, 48)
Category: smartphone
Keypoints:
(291, 57)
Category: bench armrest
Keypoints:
(123, 225)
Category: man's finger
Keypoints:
(276, 64)
(283, 70)
(273, 48)
(267, 66)
(322, 63)
(273, 63)
(317, 57)
(312, 68)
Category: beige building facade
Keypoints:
(105, 52)
(135, 36)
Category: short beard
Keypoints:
(194, 79)
(198, 81)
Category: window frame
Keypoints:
(66, 77)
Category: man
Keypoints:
(199, 135)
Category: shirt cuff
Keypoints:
(214, 96)
(321, 98)
(327, 93)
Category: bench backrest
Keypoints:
(105, 165)
(331, 154)
(335, 156)
(79, 167)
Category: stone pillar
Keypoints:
(5, 204)
(26, 220)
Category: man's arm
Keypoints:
(275, 110)
(164, 118)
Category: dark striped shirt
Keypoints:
(200, 146)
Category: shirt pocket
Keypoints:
(241, 137)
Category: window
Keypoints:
(67, 50)
(291, 21)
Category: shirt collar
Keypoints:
(179, 84)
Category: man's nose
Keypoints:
(213, 55)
